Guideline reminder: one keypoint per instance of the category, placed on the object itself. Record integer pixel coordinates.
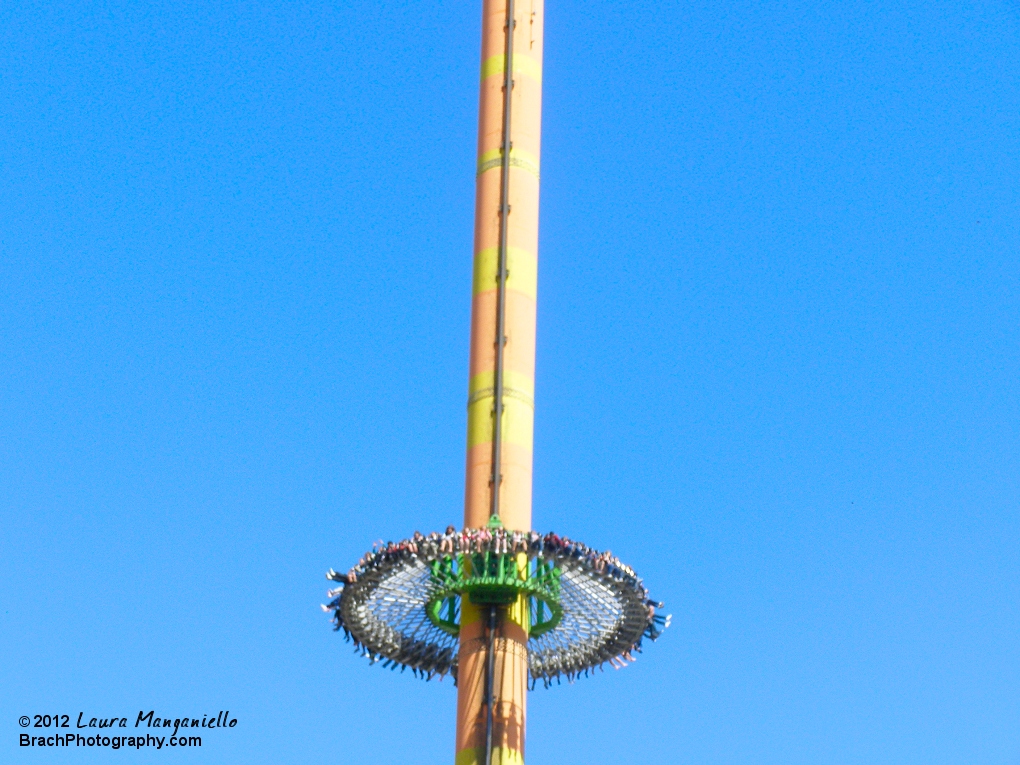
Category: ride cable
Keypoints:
(490, 660)
(496, 478)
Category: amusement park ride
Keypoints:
(496, 605)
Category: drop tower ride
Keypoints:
(497, 605)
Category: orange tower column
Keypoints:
(503, 298)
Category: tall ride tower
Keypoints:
(501, 386)
(495, 604)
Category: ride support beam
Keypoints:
(501, 385)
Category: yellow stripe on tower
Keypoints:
(518, 420)
(500, 756)
(521, 267)
(525, 65)
(519, 158)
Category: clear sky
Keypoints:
(779, 297)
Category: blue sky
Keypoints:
(779, 295)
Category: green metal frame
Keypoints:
(491, 579)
